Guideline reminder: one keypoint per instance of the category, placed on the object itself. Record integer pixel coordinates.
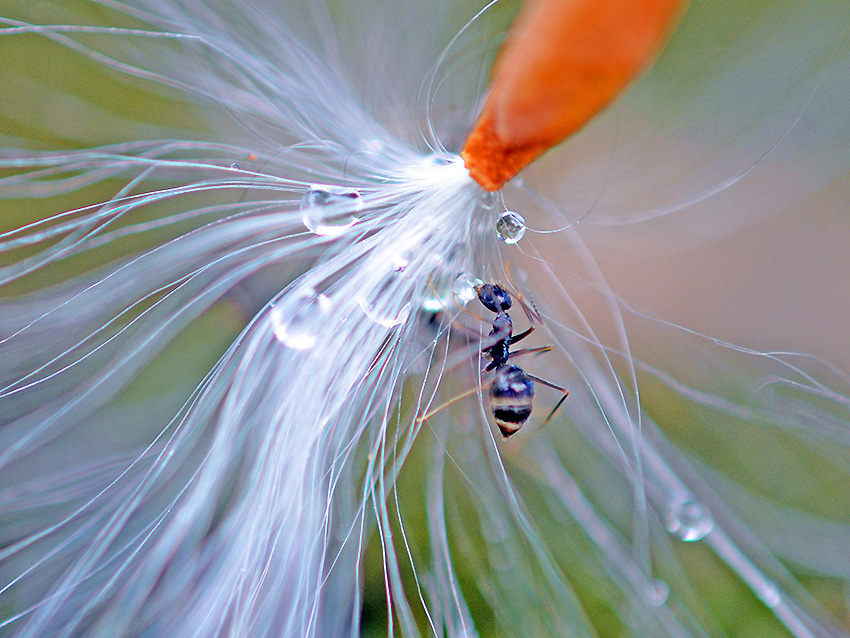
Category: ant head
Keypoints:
(494, 297)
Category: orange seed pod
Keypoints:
(563, 62)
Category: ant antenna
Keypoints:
(532, 315)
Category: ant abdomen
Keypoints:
(511, 398)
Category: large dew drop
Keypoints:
(510, 227)
(298, 317)
(386, 305)
(330, 210)
(689, 520)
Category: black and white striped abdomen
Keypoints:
(511, 397)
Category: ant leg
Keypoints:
(492, 365)
(554, 387)
(520, 336)
(539, 350)
(555, 409)
(451, 401)
(548, 383)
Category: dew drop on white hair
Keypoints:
(464, 288)
(510, 227)
(297, 319)
(689, 519)
(660, 592)
(770, 595)
(330, 210)
(383, 305)
(441, 295)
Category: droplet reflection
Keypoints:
(689, 520)
(298, 316)
(510, 227)
(330, 210)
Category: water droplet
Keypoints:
(330, 210)
(510, 227)
(489, 200)
(660, 592)
(464, 288)
(441, 296)
(234, 166)
(385, 304)
(298, 316)
(689, 520)
(770, 595)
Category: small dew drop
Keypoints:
(298, 317)
(510, 227)
(660, 592)
(330, 210)
(234, 166)
(442, 296)
(689, 520)
(770, 595)
(464, 288)
(489, 200)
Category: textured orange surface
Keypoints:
(563, 62)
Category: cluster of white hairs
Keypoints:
(231, 294)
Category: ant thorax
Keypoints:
(500, 337)
(503, 327)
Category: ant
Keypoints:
(512, 388)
